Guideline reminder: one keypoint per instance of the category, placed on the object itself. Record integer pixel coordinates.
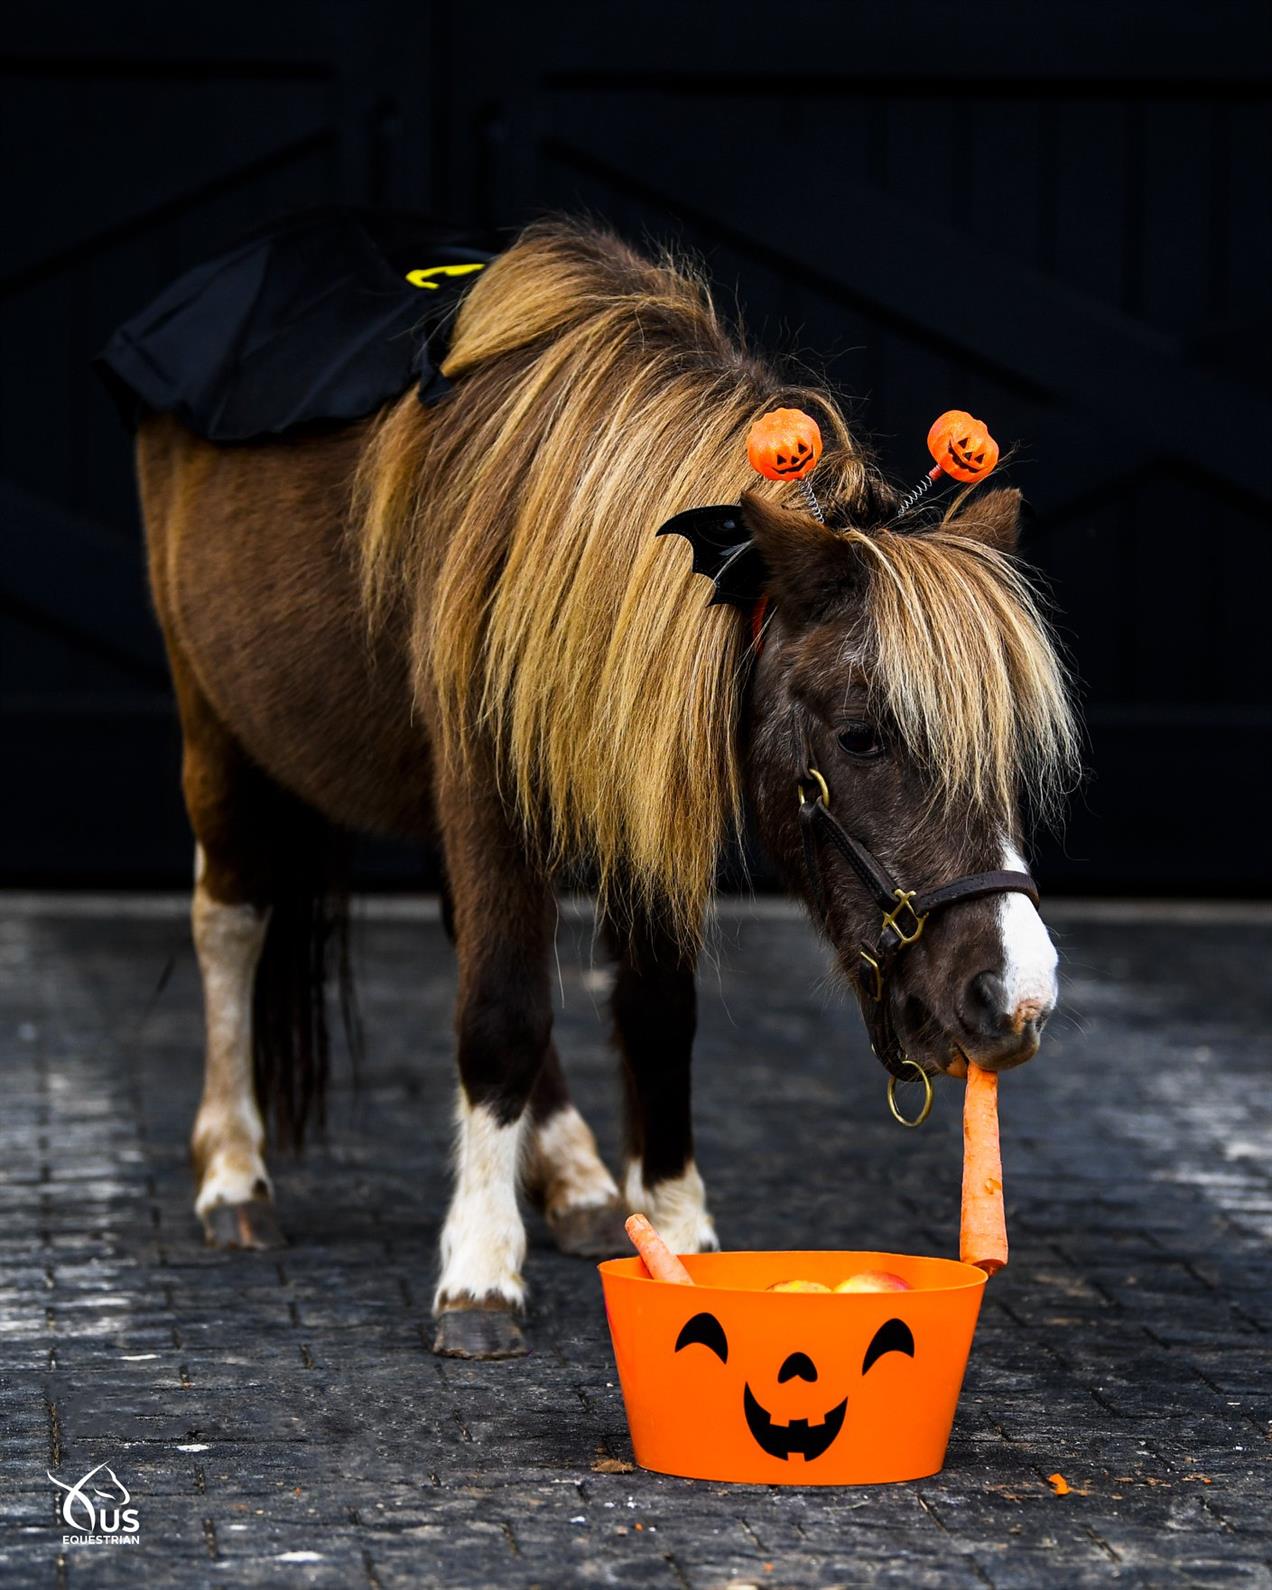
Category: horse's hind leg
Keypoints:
(566, 1175)
(655, 1017)
(226, 798)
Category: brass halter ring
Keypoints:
(927, 1095)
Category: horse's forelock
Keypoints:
(960, 657)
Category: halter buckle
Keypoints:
(905, 902)
(877, 993)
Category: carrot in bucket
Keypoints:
(983, 1231)
(660, 1261)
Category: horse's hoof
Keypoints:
(252, 1224)
(595, 1232)
(479, 1333)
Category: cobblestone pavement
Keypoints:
(278, 1420)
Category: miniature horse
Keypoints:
(456, 624)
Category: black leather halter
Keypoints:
(904, 910)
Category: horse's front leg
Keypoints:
(503, 922)
(561, 1167)
(655, 1016)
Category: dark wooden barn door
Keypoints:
(1070, 235)
(138, 140)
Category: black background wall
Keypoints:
(1057, 217)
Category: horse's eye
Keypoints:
(860, 739)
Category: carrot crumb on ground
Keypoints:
(1058, 1484)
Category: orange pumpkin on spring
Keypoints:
(784, 444)
(961, 446)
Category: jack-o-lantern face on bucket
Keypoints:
(961, 446)
(808, 1438)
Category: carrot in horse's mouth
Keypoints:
(983, 1230)
(660, 1261)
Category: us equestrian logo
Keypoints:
(97, 1510)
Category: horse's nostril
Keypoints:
(985, 1003)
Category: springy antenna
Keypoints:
(810, 498)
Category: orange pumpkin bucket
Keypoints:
(727, 1381)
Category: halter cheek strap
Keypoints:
(904, 911)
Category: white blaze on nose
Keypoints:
(1029, 956)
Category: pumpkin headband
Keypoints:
(786, 444)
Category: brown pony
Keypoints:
(457, 624)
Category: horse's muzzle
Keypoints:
(994, 1033)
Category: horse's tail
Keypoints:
(306, 950)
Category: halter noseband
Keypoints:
(904, 913)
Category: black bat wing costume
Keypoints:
(319, 318)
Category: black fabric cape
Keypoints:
(309, 320)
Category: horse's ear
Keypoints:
(992, 517)
(811, 570)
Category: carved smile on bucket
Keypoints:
(780, 1440)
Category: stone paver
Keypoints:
(279, 1421)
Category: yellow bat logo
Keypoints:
(424, 277)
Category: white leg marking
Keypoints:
(636, 1195)
(483, 1240)
(567, 1166)
(1029, 956)
(229, 1136)
(678, 1207)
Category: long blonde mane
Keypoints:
(558, 645)
(555, 635)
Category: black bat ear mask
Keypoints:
(722, 550)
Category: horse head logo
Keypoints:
(79, 1512)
